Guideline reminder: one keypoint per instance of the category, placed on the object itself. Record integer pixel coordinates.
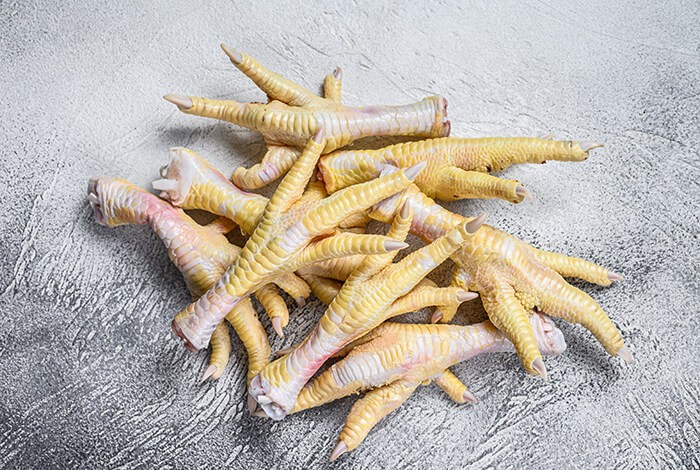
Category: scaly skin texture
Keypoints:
(457, 167)
(425, 294)
(294, 115)
(293, 232)
(201, 253)
(374, 292)
(512, 278)
(324, 288)
(394, 359)
(191, 182)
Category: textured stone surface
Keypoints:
(90, 372)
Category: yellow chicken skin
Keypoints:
(310, 237)
(201, 253)
(457, 167)
(294, 115)
(394, 359)
(203, 187)
(191, 182)
(292, 232)
(200, 186)
(512, 278)
(375, 291)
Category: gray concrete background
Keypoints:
(91, 375)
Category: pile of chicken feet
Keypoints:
(310, 237)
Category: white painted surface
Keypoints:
(91, 373)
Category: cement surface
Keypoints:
(91, 375)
